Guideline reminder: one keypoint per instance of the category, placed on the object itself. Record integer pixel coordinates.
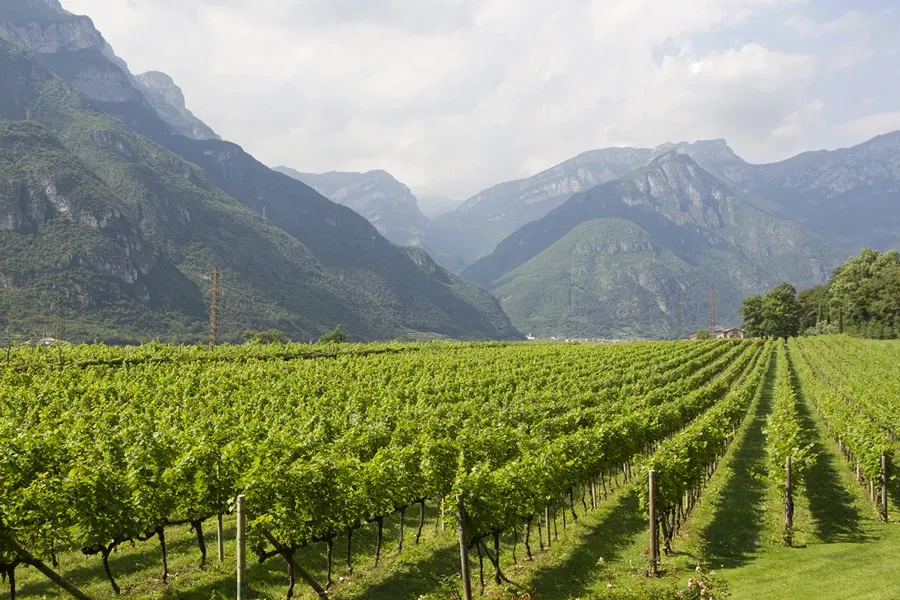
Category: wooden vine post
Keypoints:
(241, 549)
(788, 495)
(463, 549)
(654, 536)
(221, 538)
(884, 484)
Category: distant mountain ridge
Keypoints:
(623, 258)
(825, 190)
(376, 195)
(475, 228)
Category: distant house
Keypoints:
(730, 333)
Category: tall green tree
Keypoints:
(813, 306)
(776, 314)
(865, 290)
(752, 312)
(781, 312)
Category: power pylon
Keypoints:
(216, 294)
(712, 311)
(678, 315)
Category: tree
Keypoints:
(865, 291)
(775, 314)
(338, 336)
(702, 334)
(813, 306)
(752, 312)
(781, 312)
(269, 336)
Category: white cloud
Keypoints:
(859, 130)
(454, 95)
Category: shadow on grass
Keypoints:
(735, 533)
(138, 569)
(574, 575)
(835, 515)
(419, 578)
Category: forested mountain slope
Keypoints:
(304, 267)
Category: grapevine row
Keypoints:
(98, 455)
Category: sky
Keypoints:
(453, 96)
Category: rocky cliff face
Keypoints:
(851, 196)
(385, 202)
(71, 219)
(47, 30)
(168, 100)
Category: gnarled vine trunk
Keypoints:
(201, 542)
(527, 538)
(421, 520)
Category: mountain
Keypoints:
(176, 207)
(168, 101)
(851, 196)
(67, 240)
(474, 229)
(634, 256)
(385, 202)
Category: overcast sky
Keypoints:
(452, 96)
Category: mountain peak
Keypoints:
(716, 150)
(168, 101)
(381, 174)
(674, 159)
(667, 157)
(385, 202)
(157, 79)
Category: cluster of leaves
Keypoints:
(509, 489)
(681, 461)
(864, 372)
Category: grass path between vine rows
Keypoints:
(842, 550)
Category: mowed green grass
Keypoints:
(843, 550)
(865, 570)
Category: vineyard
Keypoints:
(359, 465)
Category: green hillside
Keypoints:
(176, 214)
(606, 278)
(637, 256)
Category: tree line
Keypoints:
(862, 297)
